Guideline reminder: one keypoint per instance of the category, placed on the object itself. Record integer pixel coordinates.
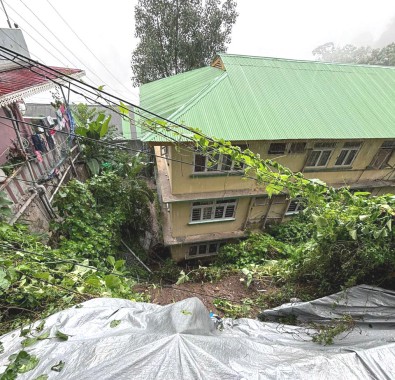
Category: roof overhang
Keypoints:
(48, 84)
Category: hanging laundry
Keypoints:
(39, 143)
(50, 121)
(71, 122)
(39, 157)
(49, 138)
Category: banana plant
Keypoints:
(95, 129)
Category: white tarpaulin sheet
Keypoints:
(119, 339)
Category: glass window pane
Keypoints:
(341, 157)
(200, 163)
(213, 163)
(230, 210)
(202, 249)
(313, 158)
(219, 212)
(350, 157)
(297, 147)
(212, 248)
(226, 162)
(207, 211)
(196, 214)
(277, 148)
(193, 250)
(324, 158)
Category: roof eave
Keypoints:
(33, 90)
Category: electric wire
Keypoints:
(147, 279)
(131, 104)
(87, 47)
(117, 146)
(69, 50)
(16, 42)
(279, 181)
(144, 110)
(48, 51)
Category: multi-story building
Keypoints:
(335, 122)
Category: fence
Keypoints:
(47, 175)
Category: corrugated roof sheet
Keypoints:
(17, 83)
(259, 98)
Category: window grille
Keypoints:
(213, 210)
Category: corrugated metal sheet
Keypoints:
(260, 98)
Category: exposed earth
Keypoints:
(226, 297)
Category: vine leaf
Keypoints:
(114, 323)
(58, 367)
(61, 336)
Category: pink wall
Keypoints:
(7, 135)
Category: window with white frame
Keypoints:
(320, 155)
(295, 206)
(204, 249)
(348, 153)
(381, 158)
(164, 151)
(212, 162)
(222, 209)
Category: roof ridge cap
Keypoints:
(305, 61)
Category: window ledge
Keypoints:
(191, 257)
(325, 169)
(212, 221)
(216, 174)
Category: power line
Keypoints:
(226, 172)
(117, 146)
(22, 47)
(87, 47)
(266, 163)
(173, 286)
(54, 35)
(27, 22)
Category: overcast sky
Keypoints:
(288, 28)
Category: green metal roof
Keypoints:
(258, 98)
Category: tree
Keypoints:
(179, 35)
(352, 54)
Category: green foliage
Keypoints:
(352, 242)
(177, 36)
(327, 332)
(234, 310)
(352, 54)
(256, 249)
(83, 114)
(5, 206)
(37, 280)
(95, 129)
(19, 363)
(292, 231)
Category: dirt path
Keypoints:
(226, 297)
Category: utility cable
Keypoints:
(87, 47)
(57, 38)
(174, 286)
(49, 52)
(185, 128)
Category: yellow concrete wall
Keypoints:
(180, 252)
(181, 215)
(184, 181)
